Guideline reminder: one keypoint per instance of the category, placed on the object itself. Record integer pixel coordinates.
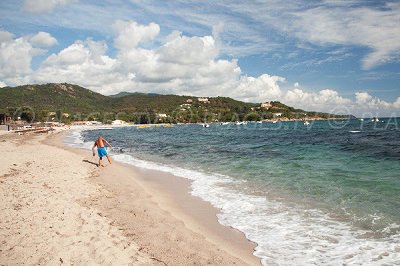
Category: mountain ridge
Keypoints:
(81, 103)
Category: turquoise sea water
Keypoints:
(327, 193)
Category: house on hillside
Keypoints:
(189, 101)
(203, 100)
(277, 114)
(161, 115)
(266, 105)
(185, 105)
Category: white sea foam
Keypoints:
(285, 235)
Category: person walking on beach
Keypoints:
(101, 150)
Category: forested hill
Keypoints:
(80, 102)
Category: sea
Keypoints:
(327, 193)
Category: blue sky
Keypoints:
(333, 55)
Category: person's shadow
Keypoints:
(87, 161)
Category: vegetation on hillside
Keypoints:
(66, 102)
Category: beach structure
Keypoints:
(4, 122)
(118, 122)
(86, 123)
(2, 119)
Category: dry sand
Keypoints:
(58, 207)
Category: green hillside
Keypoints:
(51, 101)
(52, 97)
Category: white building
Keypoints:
(118, 122)
(266, 105)
(203, 100)
(161, 115)
(277, 114)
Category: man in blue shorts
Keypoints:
(101, 150)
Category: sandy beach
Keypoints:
(58, 207)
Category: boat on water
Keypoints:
(375, 119)
(259, 122)
(205, 125)
(224, 123)
(361, 119)
(306, 123)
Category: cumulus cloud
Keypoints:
(366, 100)
(15, 60)
(6, 36)
(330, 101)
(39, 6)
(130, 34)
(16, 55)
(43, 39)
(396, 104)
(84, 63)
(253, 89)
(179, 65)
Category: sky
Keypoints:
(337, 56)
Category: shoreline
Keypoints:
(172, 195)
(59, 207)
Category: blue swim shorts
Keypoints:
(101, 151)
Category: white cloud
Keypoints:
(258, 89)
(84, 63)
(15, 60)
(39, 6)
(376, 29)
(130, 34)
(6, 36)
(330, 101)
(202, 51)
(325, 100)
(43, 39)
(180, 65)
(366, 100)
(396, 104)
(259, 26)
